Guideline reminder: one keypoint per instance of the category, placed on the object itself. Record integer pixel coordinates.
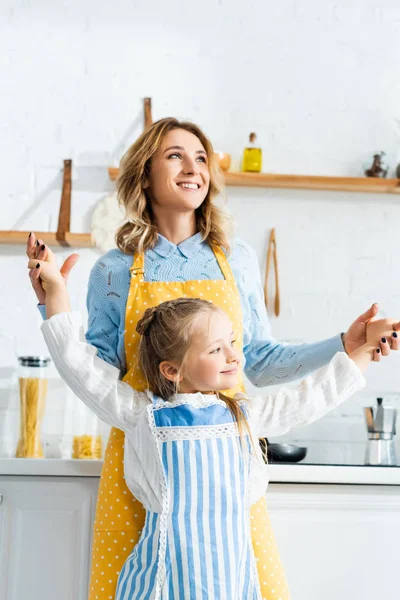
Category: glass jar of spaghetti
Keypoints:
(87, 441)
(32, 378)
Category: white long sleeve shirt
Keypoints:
(97, 384)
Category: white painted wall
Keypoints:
(319, 83)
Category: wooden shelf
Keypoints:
(63, 236)
(305, 182)
(78, 240)
(314, 182)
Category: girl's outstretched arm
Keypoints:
(309, 400)
(93, 380)
(324, 390)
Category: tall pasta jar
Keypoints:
(33, 380)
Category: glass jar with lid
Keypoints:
(87, 441)
(33, 382)
(8, 395)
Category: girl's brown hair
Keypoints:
(139, 232)
(167, 331)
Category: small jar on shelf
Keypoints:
(376, 166)
(252, 156)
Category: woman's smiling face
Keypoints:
(179, 177)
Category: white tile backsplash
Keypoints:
(249, 67)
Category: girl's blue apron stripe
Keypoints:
(174, 581)
(232, 474)
(141, 564)
(225, 493)
(152, 557)
(180, 492)
(169, 589)
(199, 520)
(127, 570)
(231, 459)
(187, 515)
(136, 581)
(131, 568)
(123, 575)
(246, 589)
(243, 523)
(206, 517)
(238, 465)
(188, 416)
(138, 585)
(193, 535)
(166, 450)
(173, 478)
(212, 502)
(219, 542)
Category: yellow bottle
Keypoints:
(252, 156)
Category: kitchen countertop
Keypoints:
(278, 473)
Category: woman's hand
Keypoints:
(356, 335)
(36, 249)
(380, 338)
(383, 336)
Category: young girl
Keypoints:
(190, 453)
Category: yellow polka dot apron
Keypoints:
(119, 516)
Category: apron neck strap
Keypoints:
(223, 262)
(137, 268)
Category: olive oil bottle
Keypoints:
(252, 156)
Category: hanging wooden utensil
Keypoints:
(64, 216)
(148, 118)
(272, 256)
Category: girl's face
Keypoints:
(212, 362)
(179, 177)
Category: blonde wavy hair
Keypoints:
(139, 232)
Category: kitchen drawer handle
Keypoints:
(1, 498)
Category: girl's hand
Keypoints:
(48, 273)
(53, 284)
(36, 249)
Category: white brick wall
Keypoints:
(318, 81)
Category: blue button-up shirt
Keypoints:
(266, 361)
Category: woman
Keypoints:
(175, 235)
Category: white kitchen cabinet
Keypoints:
(338, 541)
(45, 537)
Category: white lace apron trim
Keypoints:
(204, 432)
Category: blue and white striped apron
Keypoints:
(199, 547)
